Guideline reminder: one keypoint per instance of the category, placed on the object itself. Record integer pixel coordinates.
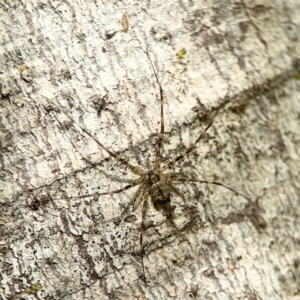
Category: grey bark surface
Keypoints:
(242, 59)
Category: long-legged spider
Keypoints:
(153, 181)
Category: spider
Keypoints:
(155, 181)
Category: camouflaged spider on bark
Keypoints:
(155, 182)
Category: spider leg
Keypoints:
(126, 187)
(189, 150)
(138, 193)
(214, 183)
(118, 179)
(162, 121)
(125, 210)
(135, 169)
(145, 197)
(176, 190)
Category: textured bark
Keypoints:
(242, 60)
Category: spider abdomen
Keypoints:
(160, 196)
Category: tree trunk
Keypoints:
(68, 67)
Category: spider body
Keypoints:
(160, 192)
(153, 183)
(161, 199)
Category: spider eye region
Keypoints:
(153, 178)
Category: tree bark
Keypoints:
(89, 60)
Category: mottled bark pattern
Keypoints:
(64, 235)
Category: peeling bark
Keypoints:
(240, 58)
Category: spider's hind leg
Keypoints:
(145, 197)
